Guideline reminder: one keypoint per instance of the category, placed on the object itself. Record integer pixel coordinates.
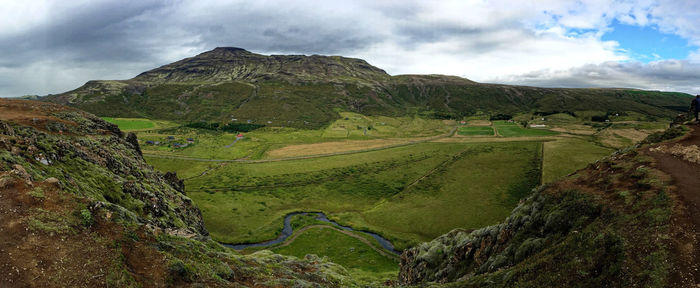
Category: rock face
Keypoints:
(225, 64)
(177, 183)
(103, 217)
(307, 91)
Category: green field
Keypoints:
(408, 193)
(507, 129)
(370, 190)
(138, 124)
(567, 155)
(475, 131)
(361, 260)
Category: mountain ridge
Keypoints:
(307, 91)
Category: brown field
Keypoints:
(335, 147)
(479, 123)
(575, 129)
(632, 134)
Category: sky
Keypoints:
(52, 46)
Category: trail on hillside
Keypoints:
(686, 180)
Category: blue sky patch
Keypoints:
(647, 43)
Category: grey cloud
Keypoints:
(668, 75)
(112, 39)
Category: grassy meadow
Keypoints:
(353, 132)
(475, 131)
(139, 124)
(406, 179)
(360, 259)
(509, 129)
(393, 192)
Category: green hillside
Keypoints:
(233, 85)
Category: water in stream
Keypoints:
(288, 231)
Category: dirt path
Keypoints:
(686, 222)
(291, 239)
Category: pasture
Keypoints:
(399, 177)
(353, 132)
(403, 193)
(507, 129)
(475, 131)
(360, 259)
(139, 124)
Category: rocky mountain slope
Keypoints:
(629, 220)
(79, 207)
(307, 91)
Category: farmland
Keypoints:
(407, 179)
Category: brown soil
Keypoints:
(74, 256)
(32, 113)
(686, 220)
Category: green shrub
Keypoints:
(86, 217)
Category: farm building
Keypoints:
(149, 142)
(239, 136)
(190, 140)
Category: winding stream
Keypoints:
(288, 231)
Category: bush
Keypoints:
(528, 247)
(670, 133)
(86, 217)
(501, 117)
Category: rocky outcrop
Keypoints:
(231, 63)
(177, 183)
(131, 139)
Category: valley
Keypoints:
(242, 169)
(408, 179)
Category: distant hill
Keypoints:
(307, 91)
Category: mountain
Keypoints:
(79, 207)
(307, 91)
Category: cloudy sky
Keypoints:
(51, 46)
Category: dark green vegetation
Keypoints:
(80, 208)
(230, 127)
(604, 227)
(308, 91)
